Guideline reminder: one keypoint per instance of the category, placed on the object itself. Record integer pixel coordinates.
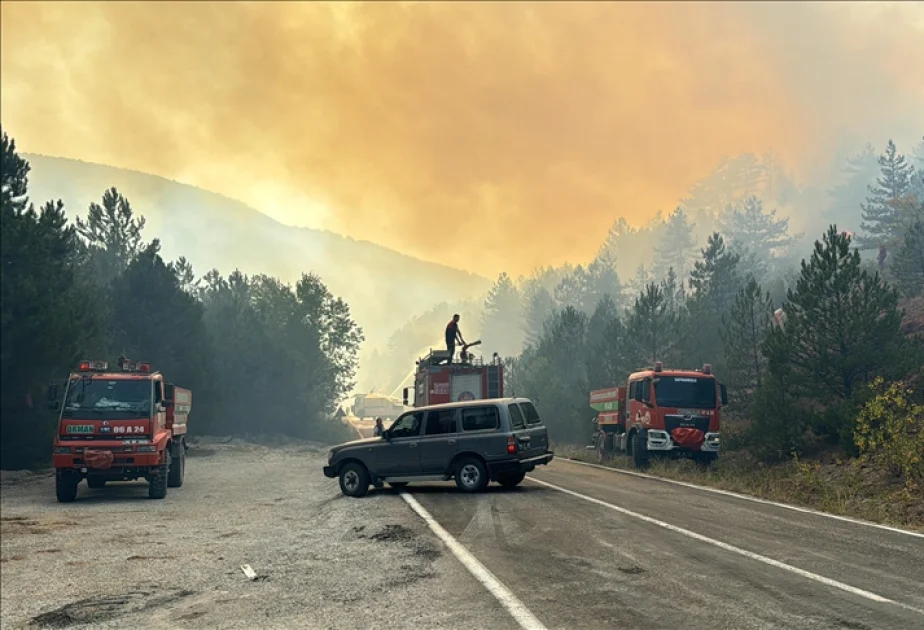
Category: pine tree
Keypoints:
(113, 234)
(673, 292)
(502, 327)
(570, 291)
(675, 247)
(908, 266)
(185, 275)
(540, 306)
(859, 172)
(600, 280)
(652, 333)
(744, 330)
(715, 278)
(882, 221)
(843, 326)
(638, 283)
(14, 176)
(758, 236)
(601, 346)
(714, 281)
(48, 315)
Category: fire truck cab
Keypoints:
(119, 425)
(673, 413)
(439, 379)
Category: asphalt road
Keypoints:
(575, 562)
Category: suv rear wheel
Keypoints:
(511, 480)
(471, 474)
(354, 480)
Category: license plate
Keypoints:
(80, 428)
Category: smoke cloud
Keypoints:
(482, 136)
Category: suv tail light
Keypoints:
(511, 444)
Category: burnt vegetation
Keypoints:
(260, 356)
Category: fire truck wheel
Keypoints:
(471, 474)
(95, 482)
(177, 469)
(157, 482)
(354, 480)
(509, 481)
(66, 486)
(640, 450)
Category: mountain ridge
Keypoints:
(385, 288)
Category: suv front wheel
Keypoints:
(471, 475)
(354, 480)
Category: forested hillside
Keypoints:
(259, 354)
(385, 288)
(837, 375)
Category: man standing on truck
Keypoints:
(452, 335)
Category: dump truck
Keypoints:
(119, 425)
(672, 413)
(439, 379)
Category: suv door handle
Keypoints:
(413, 444)
(450, 441)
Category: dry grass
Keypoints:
(827, 483)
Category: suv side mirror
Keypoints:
(386, 435)
(723, 392)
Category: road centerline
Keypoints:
(504, 596)
(743, 552)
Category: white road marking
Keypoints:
(507, 599)
(728, 493)
(743, 552)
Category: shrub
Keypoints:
(890, 431)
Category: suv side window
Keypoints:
(441, 422)
(532, 416)
(516, 418)
(407, 425)
(479, 418)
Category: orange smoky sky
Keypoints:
(489, 137)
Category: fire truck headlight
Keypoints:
(148, 448)
(62, 450)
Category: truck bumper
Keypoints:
(508, 466)
(120, 460)
(330, 471)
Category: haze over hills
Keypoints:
(385, 288)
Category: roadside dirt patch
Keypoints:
(393, 533)
(17, 525)
(102, 609)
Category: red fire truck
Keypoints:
(118, 425)
(440, 380)
(666, 412)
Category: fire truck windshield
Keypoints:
(685, 391)
(99, 396)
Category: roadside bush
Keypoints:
(890, 431)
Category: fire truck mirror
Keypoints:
(405, 396)
(52, 392)
(723, 392)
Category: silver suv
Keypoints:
(473, 442)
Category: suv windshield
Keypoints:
(99, 395)
(685, 391)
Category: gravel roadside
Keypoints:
(115, 559)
